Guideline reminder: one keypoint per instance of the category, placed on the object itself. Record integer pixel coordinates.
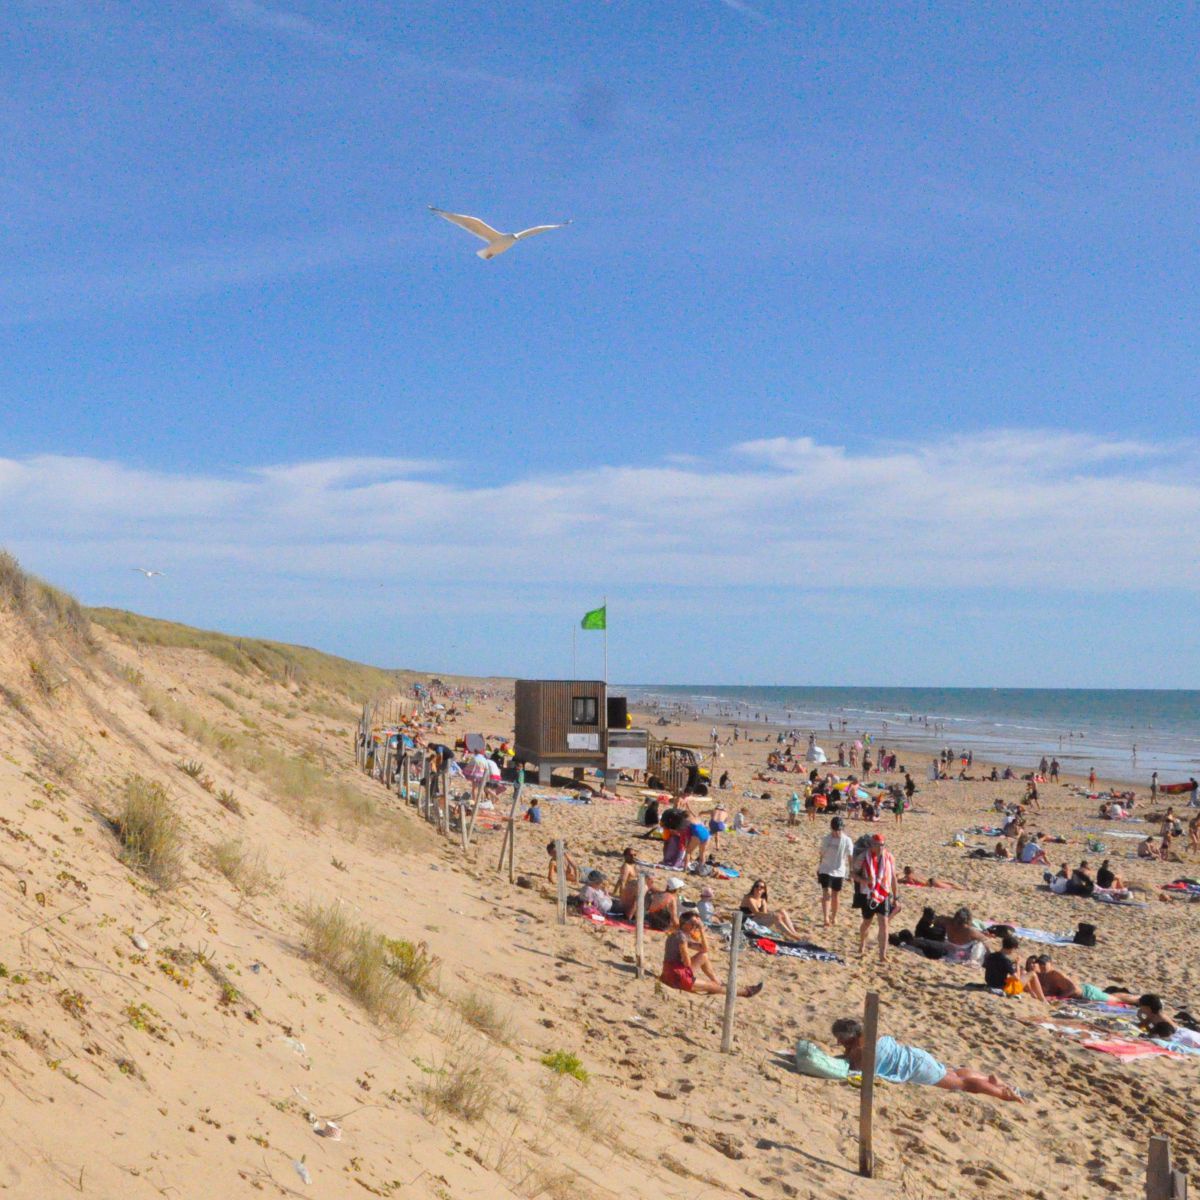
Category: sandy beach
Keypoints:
(189, 1036)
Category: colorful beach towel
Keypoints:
(760, 934)
(1122, 1049)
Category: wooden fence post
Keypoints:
(640, 932)
(512, 825)
(1163, 1182)
(866, 1095)
(560, 860)
(735, 945)
(404, 777)
(445, 799)
(510, 829)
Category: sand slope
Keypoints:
(192, 1068)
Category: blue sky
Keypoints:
(947, 253)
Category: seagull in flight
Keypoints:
(148, 573)
(497, 242)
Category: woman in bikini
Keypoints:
(685, 961)
(756, 905)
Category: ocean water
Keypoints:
(1125, 734)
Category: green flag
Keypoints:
(596, 619)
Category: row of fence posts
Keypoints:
(433, 802)
(1163, 1181)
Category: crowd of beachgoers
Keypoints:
(776, 785)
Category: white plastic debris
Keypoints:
(302, 1171)
(328, 1129)
(140, 942)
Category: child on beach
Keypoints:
(793, 810)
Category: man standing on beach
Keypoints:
(832, 869)
(1153, 787)
(1054, 770)
(877, 874)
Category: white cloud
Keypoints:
(288, 24)
(1047, 511)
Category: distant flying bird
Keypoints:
(497, 242)
(148, 573)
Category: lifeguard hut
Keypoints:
(574, 724)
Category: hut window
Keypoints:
(584, 710)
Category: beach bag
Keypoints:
(812, 1060)
(1013, 986)
(1085, 935)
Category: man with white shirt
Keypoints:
(833, 868)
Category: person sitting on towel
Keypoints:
(898, 1063)
(964, 943)
(662, 903)
(1000, 972)
(685, 961)
(757, 906)
(593, 895)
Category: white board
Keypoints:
(583, 741)
(627, 758)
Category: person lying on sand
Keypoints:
(899, 1063)
(914, 880)
(686, 966)
(756, 904)
(1054, 984)
(570, 866)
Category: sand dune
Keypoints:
(205, 1064)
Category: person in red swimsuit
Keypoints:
(685, 961)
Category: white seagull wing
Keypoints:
(481, 229)
(539, 229)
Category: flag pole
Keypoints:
(606, 640)
(574, 669)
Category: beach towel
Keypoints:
(898, 1063)
(810, 1059)
(1122, 1049)
(1112, 833)
(1106, 896)
(598, 918)
(809, 951)
(1042, 936)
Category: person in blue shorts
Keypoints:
(697, 841)
(900, 1063)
